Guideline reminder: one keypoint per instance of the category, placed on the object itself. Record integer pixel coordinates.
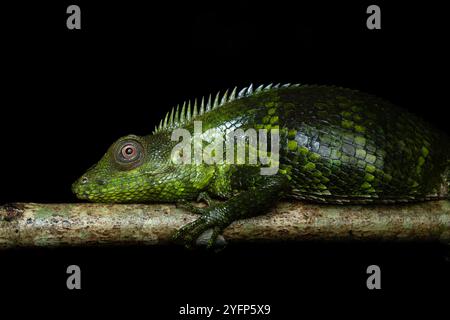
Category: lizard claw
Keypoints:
(190, 207)
(212, 239)
(204, 196)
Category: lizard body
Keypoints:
(336, 145)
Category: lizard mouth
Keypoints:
(88, 195)
(82, 196)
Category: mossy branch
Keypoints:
(80, 224)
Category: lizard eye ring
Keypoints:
(128, 152)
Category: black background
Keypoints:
(68, 94)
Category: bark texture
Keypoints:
(80, 224)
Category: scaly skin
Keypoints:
(336, 146)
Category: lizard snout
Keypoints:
(79, 187)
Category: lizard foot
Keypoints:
(206, 230)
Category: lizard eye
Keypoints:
(128, 152)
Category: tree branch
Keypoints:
(33, 224)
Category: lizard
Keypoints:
(335, 146)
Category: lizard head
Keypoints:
(137, 169)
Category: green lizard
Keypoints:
(336, 145)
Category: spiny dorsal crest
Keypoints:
(188, 111)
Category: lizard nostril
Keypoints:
(84, 180)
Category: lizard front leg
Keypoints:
(255, 201)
